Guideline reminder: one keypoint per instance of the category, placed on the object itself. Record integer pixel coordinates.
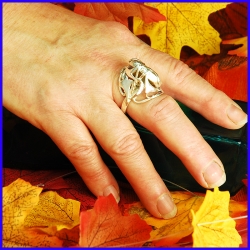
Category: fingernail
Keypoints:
(111, 190)
(214, 175)
(236, 115)
(166, 206)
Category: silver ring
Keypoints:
(138, 83)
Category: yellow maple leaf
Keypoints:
(54, 210)
(213, 227)
(186, 24)
(242, 51)
(168, 232)
(19, 198)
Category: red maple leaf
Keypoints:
(230, 22)
(118, 12)
(105, 226)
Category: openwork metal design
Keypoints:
(138, 83)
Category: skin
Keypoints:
(61, 74)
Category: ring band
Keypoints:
(138, 83)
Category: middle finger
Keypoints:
(164, 118)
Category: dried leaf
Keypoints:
(242, 51)
(118, 12)
(187, 24)
(68, 237)
(19, 198)
(53, 210)
(171, 231)
(202, 63)
(168, 232)
(230, 22)
(230, 76)
(29, 238)
(105, 226)
(213, 227)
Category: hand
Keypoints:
(61, 74)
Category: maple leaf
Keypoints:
(171, 231)
(168, 232)
(118, 12)
(230, 22)
(186, 24)
(104, 225)
(230, 76)
(241, 51)
(68, 237)
(19, 198)
(213, 227)
(53, 210)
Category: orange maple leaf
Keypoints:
(119, 12)
(230, 76)
(105, 226)
(171, 231)
(213, 227)
(168, 232)
(241, 51)
(69, 237)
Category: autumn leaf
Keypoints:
(19, 198)
(230, 22)
(53, 210)
(168, 232)
(213, 227)
(186, 25)
(171, 231)
(118, 12)
(230, 76)
(241, 51)
(105, 226)
(68, 237)
(25, 237)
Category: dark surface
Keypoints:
(26, 147)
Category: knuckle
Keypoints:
(165, 109)
(179, 71)
(95, 175)
(128, 144)
(82, 151)
(120, 31)
(213, 98)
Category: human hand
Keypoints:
(61, 74)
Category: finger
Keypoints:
(121, 141)
(74, 140)
(183, 84)
(166, 120)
